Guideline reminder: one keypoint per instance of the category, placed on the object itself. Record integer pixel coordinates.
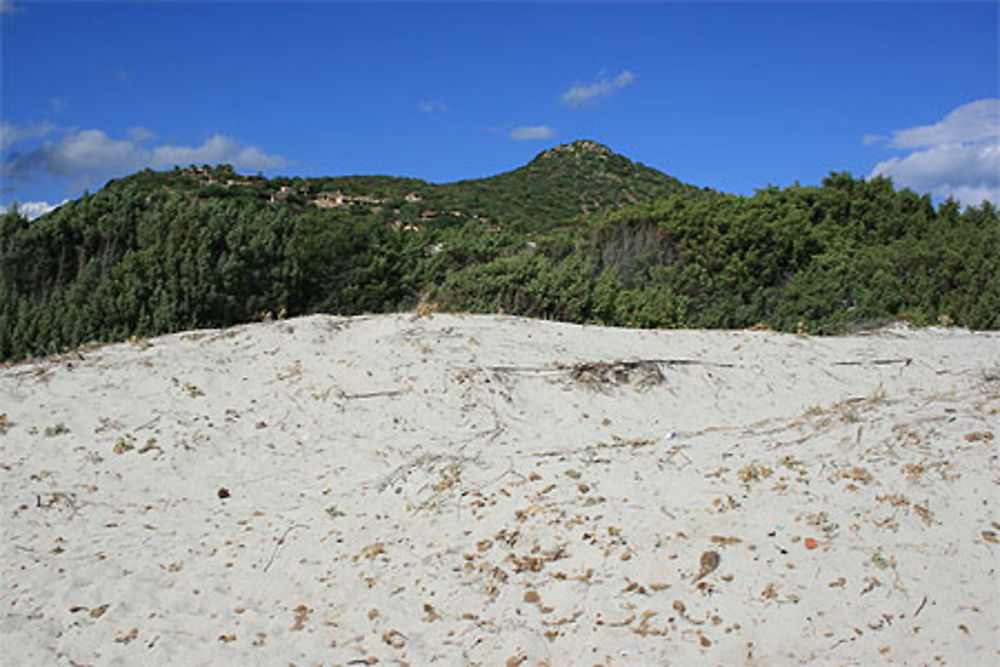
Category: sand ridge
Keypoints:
(495, 490)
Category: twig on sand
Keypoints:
(147, 424)
(281, 541)
(55, 497)
(375, 394)
(586, 449)
(906, 361)
(401, 471)
(524, 369)
(630, 364)
(921, 607)
(428, 461)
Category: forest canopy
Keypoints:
(579, 234)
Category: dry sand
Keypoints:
(493, 490)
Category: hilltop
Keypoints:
(569, 180)
(557, 185)
(580, 233)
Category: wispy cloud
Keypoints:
(433, 106)
(529, 132)
(92, 153)
(140, 134)
(8, 7)
(958, 156)
(11, 134)
(589, 93)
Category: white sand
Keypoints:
(455, 491)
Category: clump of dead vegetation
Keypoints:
(596, 375)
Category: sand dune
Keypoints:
(491, 490)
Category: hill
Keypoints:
(579, 234)
(564, 182)
(559, 184)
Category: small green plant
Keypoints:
(188, 388)
(58, 429)
(881, 561)
(124, 444)
(822, 521)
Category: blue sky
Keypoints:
(732, 96)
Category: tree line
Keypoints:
(153, 254)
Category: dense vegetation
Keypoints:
(578, 234)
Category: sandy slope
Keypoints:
(477, 490)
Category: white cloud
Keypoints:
(433, 106)
(92, 154)
(33, 209)
(529, 132)
(11, 134)
(216, 150)
(975, 121)
(582, 94)
(84, 151)
(958, 157)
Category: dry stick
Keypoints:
(401, 471)
(281, 541)
(683, 362)
(921, 607)
(906, 361)
(56, 496)
(373, 394)
(525, 369)
(628, 364)
(509, 471)
(634, 443)
(147, 424)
